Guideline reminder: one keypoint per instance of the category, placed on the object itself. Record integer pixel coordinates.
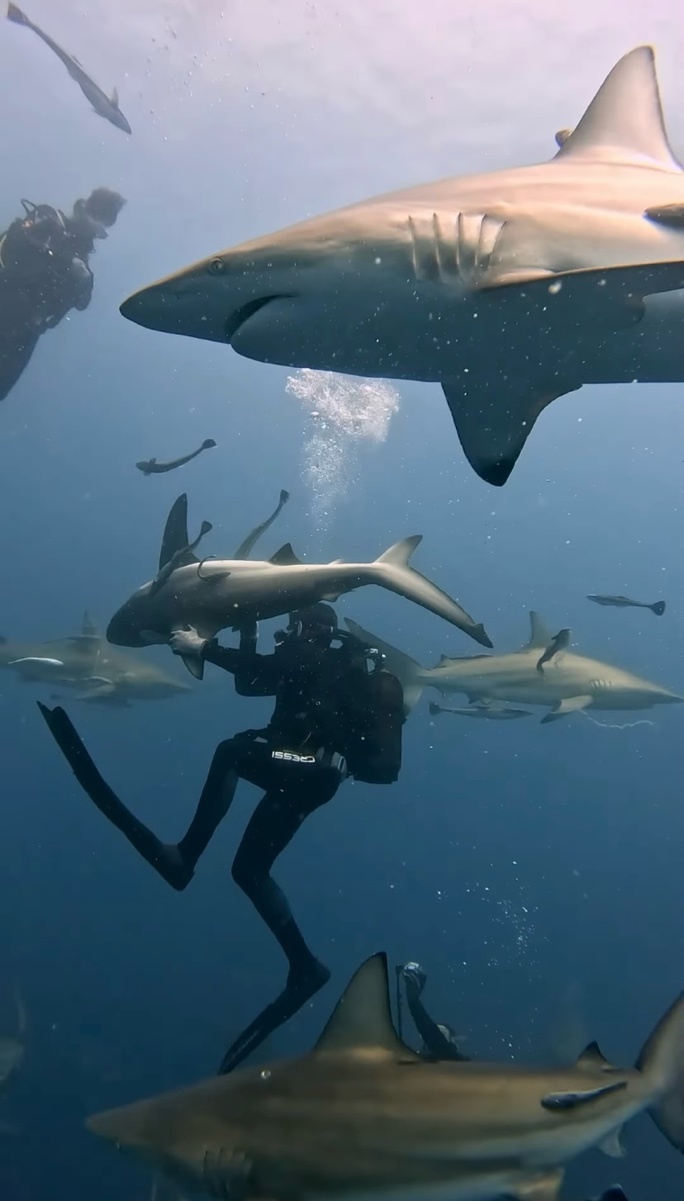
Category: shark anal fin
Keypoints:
(571, 1100)
(362, 1018)
(612, 1146)
(494, 418)
(571, 704)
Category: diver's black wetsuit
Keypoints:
(297, 760)
(44, 274)
(439, 1041)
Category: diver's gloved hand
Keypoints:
(187, 642)
(414, 972)
(80, 271)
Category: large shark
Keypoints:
(568, 683)
(510, 288)
(362, 1116)
(227, 593)
(88, 664)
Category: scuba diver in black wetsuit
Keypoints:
(439, 1041)
(333, 717)
(45, 272)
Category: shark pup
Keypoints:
(362, 1116)
(219, 594)
(567, 684)
(509, 289)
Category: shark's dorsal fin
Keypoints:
(175, 535)
(540, 634)
(362, 1018)
(285, 557)
(625, 119)
(115, 97)
(592, 1057)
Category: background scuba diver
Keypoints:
(335, 715)
(45, 272)
(439, 1041)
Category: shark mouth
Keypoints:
(241, 316)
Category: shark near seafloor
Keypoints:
(509, 289)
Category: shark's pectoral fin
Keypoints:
(539, 1188)
(571, 1100)
(195, 665)
(494, 418)
(571, 704)
(612, 1146)
(362, 1018)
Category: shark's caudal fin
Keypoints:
(362, 1018)
(393, 572)
(658, 608)
(406, 669)
(662, 1062)
(625, 119)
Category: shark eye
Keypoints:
(216, 266)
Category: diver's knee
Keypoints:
(244, 876)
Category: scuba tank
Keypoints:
(374, 716)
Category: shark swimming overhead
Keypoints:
(362, 1116)
(212, 595)
(510, 289)
(567, 684)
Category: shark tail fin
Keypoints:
(658, 608)
(393, 571)
(15, 14)
(662, 1062)
(407, 670)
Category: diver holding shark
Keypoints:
(338, 712)
(334, 716)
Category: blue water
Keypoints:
(534, 871)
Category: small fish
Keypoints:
(559, 642)
(152, 467)
(178, 559)
(484, 710)
(623, 602)
(105, 106)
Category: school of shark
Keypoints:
(509, 289)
